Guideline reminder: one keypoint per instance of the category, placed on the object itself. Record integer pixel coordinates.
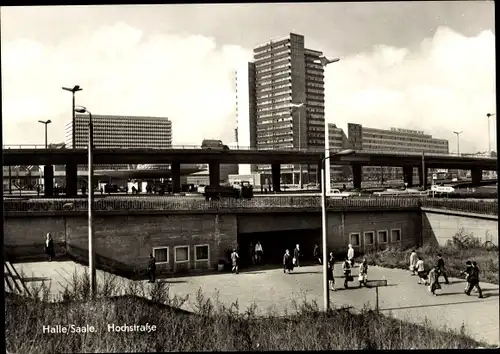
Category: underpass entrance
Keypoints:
(274, 244)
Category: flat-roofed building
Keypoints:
(392, 140)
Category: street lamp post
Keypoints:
(324, 223)
(298, 106)
(92, 272)
(458, 141)
(46, 122)
(489, 115)
(73, 91)
(325, 62)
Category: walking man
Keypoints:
(296, 255)
(331, 275)
(234, 260)
(49, 247)
(350, 255)
(442, 271)
(413, 262)
(316, 254)
(473, 281)
(251, 254)
(259, 252)
(152, 268)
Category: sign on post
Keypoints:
(376, 284)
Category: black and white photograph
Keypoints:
(261, 176)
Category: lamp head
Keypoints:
(80, 109)
(346, 152)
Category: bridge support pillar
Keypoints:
(476, 175)
(48, 180)
(408, 175)
(71, 179)
(356, 176)
(422, 176)
(214, 173)
(176, 176)
(276, 176)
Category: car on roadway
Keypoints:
(210, 144)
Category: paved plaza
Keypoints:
(403, 298)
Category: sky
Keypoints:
(417, 65)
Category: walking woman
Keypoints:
(413, 262)
(287, 262)
(363, 272)
(330, 274)
(434, 280)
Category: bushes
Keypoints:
(213, 326)
(461, 248)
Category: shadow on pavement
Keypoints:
(431, 305)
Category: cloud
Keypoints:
(122, 71)
(446, 84)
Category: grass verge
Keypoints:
(212, 326)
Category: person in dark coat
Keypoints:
(331, 268)
(49, 247)
(473, 280)
(346, 267)
(287, 262)
(152, 268)
(442, 271)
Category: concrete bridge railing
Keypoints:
(261, 204)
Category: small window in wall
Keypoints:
(160, 254)
(396, 235)
(181, 254)
(201, 252)
(354, 239)
(382, 236)
(369, 238)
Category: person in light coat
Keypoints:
(350, 255)
(413, 262)
(259, 252)
(434, 280)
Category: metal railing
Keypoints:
(464, 205)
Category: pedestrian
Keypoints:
(316, 253)
(152, 268)
(287, 262)
(296, 256)
(234, 259)
(346, 268)
(363, 272)
(331, 274)
(350, 255)
(467, 271)
(413, 262)
(259, 252)
(434, 280)
(251, 253)
(422, 275)
(473, 281)
(49, 247)
(442, 271)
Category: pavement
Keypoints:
(270, 289)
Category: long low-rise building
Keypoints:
(392, 140)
